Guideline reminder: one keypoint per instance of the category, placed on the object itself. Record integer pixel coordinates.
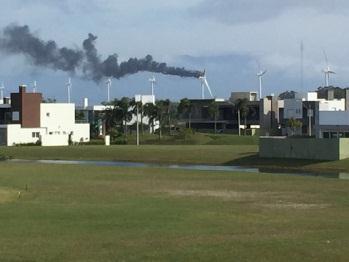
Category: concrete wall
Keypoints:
(18, 135)
(293, 108)
(57, 117)
(55, 140)
(304, 148)
(332, 105)
(334, 118)
(81, 133)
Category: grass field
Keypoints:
(244, 155)
(84, 213)
(146, 153)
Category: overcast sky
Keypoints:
(227, 37)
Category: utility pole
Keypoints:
(310, 115)
(239, 122)
(137, 124)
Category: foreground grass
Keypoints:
(80, 213)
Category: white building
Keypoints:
(28, 120)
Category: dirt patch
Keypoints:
(290, 205)
(7, 195)
(228, 195)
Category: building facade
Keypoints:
(26, 120)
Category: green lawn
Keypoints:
(146, 153)
(244, 155)
(85, 213)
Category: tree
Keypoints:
(123, 107)
(163, 113)
(134, 106)
(241, 106)
(294, 124)
(185, 108)
(213, 110)
(151, 112)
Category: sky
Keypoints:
(231, 39)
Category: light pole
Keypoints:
(138, 99)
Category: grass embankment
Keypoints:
(189, 139)
(177, 154)
(84, 213)
(242, 155)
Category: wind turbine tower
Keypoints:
(204, 84)
(69, 87)
(327, 71)
(260, 75)
(2, 87)
(34, 87)
(152, 82)
(108, 82)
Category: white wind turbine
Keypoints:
(152, 81)
(204, 83)
(2, 88)
(327, 71)
(69, 87)
(34, 87)
(260, 75)
(108, 82)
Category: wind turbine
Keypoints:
(204, 84)
(327, 71)
(2, 87)
(260, 75)
(69, 87)
(153, 82)
(108, 82)
(34, 87)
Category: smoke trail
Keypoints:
(19, 40)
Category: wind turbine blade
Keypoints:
(326, 58)
(209, 89)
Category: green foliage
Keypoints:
(294, 124)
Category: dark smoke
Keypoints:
(19, 40)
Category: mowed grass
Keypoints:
(179, 154)
(240, 155)
(85, 213)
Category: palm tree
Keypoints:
(213, 111)
(185, 107)
(242, 109)
(134, 105)
(151, 112)
(123, 106)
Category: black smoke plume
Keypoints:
(20, 40)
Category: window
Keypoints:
(36, 134)
(15, 116)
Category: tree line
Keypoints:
(164, 113)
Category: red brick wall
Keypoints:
(28, 106)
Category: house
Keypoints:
(94, 115)
(26, 120)
(227, 116)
